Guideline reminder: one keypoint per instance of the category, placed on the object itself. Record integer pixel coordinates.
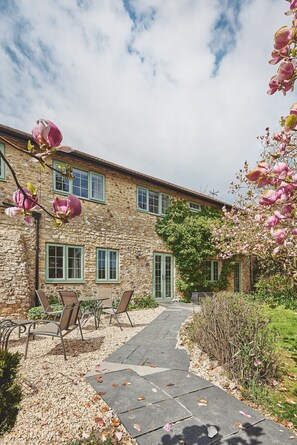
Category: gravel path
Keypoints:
(58, 405)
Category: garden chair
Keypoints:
(47, 309)
(122, 308)
(70, 297)
(69, 320)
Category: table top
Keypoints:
(93, 298)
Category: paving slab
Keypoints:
(221, 409)
(177, 382)
(194, 432)
(125, 390)
(154, 416)
(156, 356)
(265, 432)
(106, 367)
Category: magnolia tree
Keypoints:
(25, 199)
(264, 219)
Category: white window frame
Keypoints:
(2, 163)
(65, 266)
(90, 174)
(107, 278)
(146, 193)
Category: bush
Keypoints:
(37, 313)
(276, 290)
(10, 390)
(143, 302)
(232, 330)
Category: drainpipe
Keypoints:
(37, 217)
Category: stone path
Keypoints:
(147, 383)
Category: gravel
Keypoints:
(58, 405)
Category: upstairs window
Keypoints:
(107, 265)
(64, 263)
(152, 202)
(194, 207)
(86, 184)
(2, 163)
(212, 270)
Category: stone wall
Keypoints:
(116, 224)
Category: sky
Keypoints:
(175, 89)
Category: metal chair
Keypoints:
(47, 309)
(122, 308)
(69, 320)
(70, 297)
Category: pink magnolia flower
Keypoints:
(293, 4)
(293, 109)
(279, 235)
(24, 205)
(294, 232)
(68, 208)
(272, 221)
(282, 37)
(277, 56)
(269, 197)
(46, 132)
(273, 86)
(258, 172)
(285, 71)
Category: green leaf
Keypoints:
(291, 121)
(31, 188)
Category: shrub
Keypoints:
(276, 290)
(37, 313)
(10, 390)
(232, 330)
(143, 302)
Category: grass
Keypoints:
(281, 400)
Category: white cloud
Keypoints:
(138, 89)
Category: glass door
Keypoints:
(237, 277)
(163, 276)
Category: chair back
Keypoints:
(65, 320)
(43, 300)
(106, 292)
(69, 298)
(124, 301)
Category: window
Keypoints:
(87, 185)
(212, 270)
(152, 202)
(107, 265)
(194, 207)
(64, 263)
(2, 163)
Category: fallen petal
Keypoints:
(245, 414)
(137, 427)
(211, 431)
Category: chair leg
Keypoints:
(80, 329)
(27, 344)
(118, 321)
(129, 319)
(63, 346)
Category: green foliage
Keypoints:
(37, 313)
(143, 302)
(232, 330)
(10, 390)
(189, 237)
(276, 290)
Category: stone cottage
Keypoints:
(112, 244)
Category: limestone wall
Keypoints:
(116, 224)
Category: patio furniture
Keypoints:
(70, 297)
(68, 322)
(122, 308)
(8, 326)
(48, 310)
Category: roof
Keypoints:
(20, 135)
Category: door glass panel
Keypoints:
(74, 262)
(158, 276)
(168, 277)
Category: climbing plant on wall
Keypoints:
(189, 237)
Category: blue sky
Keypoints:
(172, 88)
